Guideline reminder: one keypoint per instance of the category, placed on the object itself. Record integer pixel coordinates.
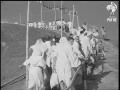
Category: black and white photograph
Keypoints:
(59, 45)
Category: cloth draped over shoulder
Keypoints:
(36, 58)
(64, 59)
(77, 54)
(86, 47)
(36, 61)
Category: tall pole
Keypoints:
(61, 18)
(78, 21)
(41, 10)
(27, 35)
(55, 12)
(20, 18)
(73, 16)
(70, 16)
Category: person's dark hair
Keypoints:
(49, 38)
(70, 38)
(81, 32)
(53, 42)
(84, 23)
(53, 36)
(43, 38)
(85, 34)
(71, 34)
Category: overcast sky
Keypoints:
(93, 12)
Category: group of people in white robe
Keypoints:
(63, 57)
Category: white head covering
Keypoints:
(95, 34)
(40, 45)
(89, 33)
(63, 40)
(39, 42)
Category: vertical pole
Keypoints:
(55, 16)
(84, 73)
(41, 10)
(27, 67)
(73, 16)
(55, 12)
(78, 21)
(70, 17)
(20, 18)
(61, 18)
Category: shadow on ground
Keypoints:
(95, 80)
(106, 39)
(92, 81)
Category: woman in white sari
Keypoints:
(63, 63)
(37, 64)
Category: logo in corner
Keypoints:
(112, 7)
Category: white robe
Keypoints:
(52, 57)
(63, 63)
(70, 24)
(35, 72)
(77, 54)
(48, 52)
(86, 47)
(48, 44)
(73, 31)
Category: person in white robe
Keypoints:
(79, 30)
(78, 58)
(95, 38)
(84, 25)
(63, 62)
(95, 46)
(69, 24)
(73, 31)
(86, 47)
(37, 64)
(48, 44)
(78, 55)
(103, 32)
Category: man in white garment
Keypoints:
(86, 47)
(36, 62)
(69, 24)
(73, 31)
(50, 25)
(103, 31)
(96, 37)
(76, 61)
(84, 26)
(78, 54)
(91, 68)
(79, 30)
(79, 57)
(48, 44)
